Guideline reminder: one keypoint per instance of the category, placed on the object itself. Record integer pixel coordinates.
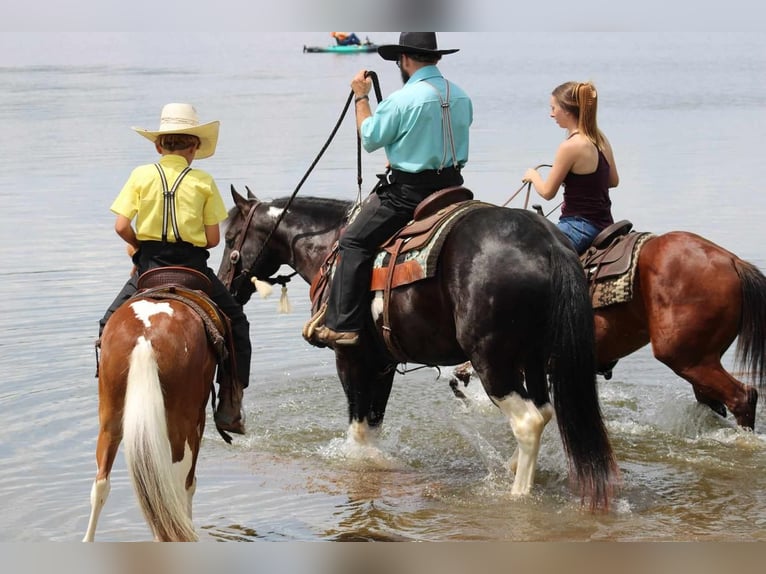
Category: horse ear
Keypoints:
(240, 201)
(250, 194)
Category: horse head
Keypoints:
(261, 236)
(247, 252)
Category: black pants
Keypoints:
(156, 254)
(381, 215)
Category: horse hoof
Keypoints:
(237, 427)
(228, 423)
(718, 408)
(606, 370)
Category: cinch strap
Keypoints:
(169, 204)
(446, 127)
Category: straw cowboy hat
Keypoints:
(423, 43)
(182, 119)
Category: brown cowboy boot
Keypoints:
(228, 413)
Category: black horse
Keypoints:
(508, 294)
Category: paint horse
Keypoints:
(507, 294)
(158, 358)
(690, 299)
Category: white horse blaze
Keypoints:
(145, 309)
(527, 423)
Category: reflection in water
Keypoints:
(376, 508)
(231, 533)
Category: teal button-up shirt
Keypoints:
(408, 124)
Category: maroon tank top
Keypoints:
(587, 195)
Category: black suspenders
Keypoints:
(169, 204)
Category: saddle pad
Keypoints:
(420, 263)
(618, 289)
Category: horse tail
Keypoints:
(751, 343)
(572, 374)
(161, 494)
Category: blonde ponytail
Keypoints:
(587, 102)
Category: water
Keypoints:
(683, 113)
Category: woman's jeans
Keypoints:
(579, 230)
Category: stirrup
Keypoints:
(316, 320)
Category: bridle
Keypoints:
(235, 256)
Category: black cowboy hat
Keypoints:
(413, 43)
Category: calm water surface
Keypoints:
(684, 114)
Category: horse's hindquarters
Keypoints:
(155, 376)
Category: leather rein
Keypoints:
(236, 255)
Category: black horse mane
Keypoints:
(326, 209)
(321, 207)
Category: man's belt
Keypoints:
(448, 176)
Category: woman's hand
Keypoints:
(530, 175)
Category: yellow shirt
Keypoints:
(197, 201)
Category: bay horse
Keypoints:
(154, 379)
(691, 299)
(508, 295)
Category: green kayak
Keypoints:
(352, 49)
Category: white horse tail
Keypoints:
(161, 492)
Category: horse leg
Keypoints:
(716, 406)
(463, 372)
(712, 385)
(109, 437)
(367, 384)
(547, 412)
(538, 388)
(185, 436)
(527, 423)
(195, 437)
(366, 416)
(190, 494)
(716, 387)
(526, 419)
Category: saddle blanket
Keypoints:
(619, 289)
(421, 262)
